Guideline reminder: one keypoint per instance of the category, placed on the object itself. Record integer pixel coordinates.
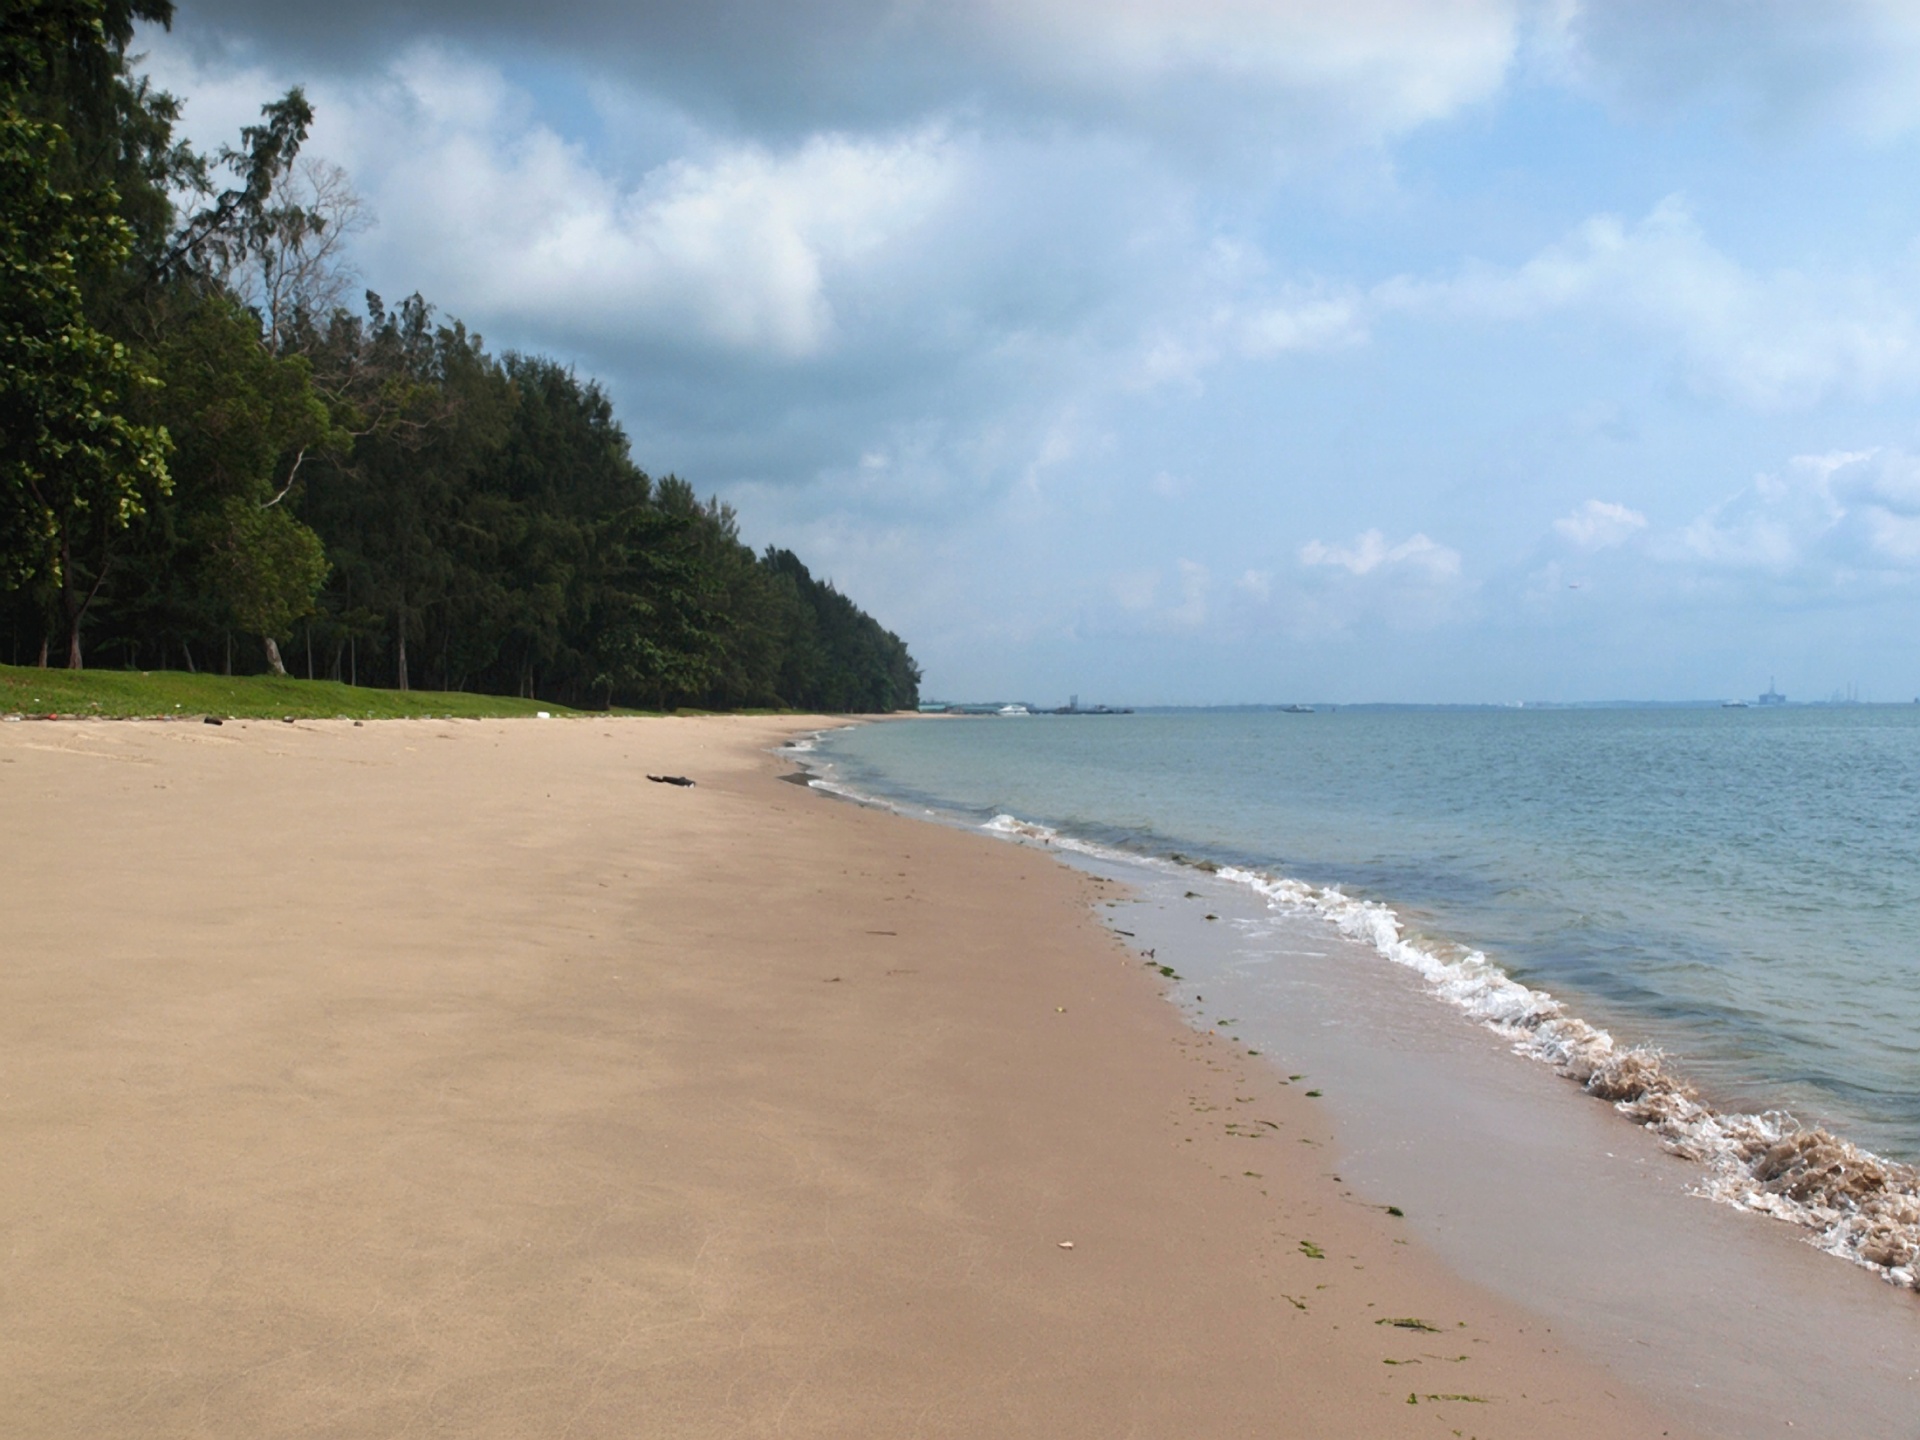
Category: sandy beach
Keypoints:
(451, 1078)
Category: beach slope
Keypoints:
(452, 1078)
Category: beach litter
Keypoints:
(670, 780)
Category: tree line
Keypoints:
(210, 460)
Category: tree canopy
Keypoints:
(207, 454)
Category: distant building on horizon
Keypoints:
(1773, 696)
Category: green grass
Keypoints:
(122, 693)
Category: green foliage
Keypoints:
(75, 469)
(251, 217)
(266, 565)
(375, 488)
(63, 63)
(230, 553)
(835, 654)
(489, 530)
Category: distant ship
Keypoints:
(1296, 710)
(1072, 707)
(1773, 696)
(1737, 705)
(1013, 710)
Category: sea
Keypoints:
(1536, 930)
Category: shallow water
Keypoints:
(1739, 893)
(1740, 888)
(1725, 1320)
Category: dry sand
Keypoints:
(450, 1078)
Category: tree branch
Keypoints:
(298, 459)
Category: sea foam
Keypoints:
(1859, 1206)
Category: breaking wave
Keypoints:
(1859, 1206)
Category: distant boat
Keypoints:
(1013, 710)
(1296, 710)
(1735, 705)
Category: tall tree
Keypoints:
(428, 405)
(68, 63)
(75, 470)
(232, 554)
(246, 420)
(198, 437)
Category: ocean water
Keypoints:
(1710, 918)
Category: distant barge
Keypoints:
(1016, 708)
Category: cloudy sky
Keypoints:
(1201, 350)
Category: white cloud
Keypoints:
(1308, 322)
(1280, 75)
(1826, 518)
(1600, 525)
(1355, 70)
(737, 248)
(1413, 585)
(1415, 556)
(1304, 324)
(1768, 341)
(732, 245)
(1778, 340)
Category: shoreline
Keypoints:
(1515, 1173)
(452, 1076)
(1854, 1203)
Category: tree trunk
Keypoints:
(186, 649)
(76, 604)
(400, 654)
(42, 661)
(229, 659)
(274, 662)
(75, 608)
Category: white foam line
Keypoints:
(1859, 1206)
(820, 776)
(806, 744)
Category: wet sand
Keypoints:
(451, 1078)
(1730, 1320)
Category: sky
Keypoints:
(1200, 351)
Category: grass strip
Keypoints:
(131, 694)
